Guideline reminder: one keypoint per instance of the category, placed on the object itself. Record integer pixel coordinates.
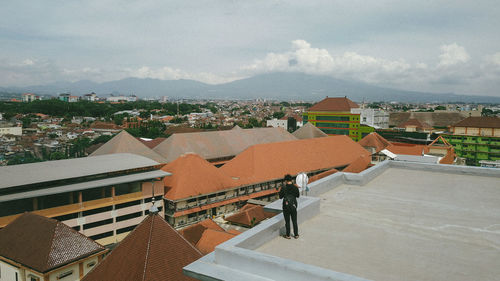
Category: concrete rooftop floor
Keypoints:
(404, 225)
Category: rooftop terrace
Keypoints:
(394, 221)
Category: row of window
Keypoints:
(333, 118)
(333, 125)
(335, 131)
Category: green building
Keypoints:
(333, 116)
(475, 139)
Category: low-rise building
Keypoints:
(475, 139)
(36, 248)
(334, 116)
(103, 197)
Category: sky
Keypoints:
(433, 46)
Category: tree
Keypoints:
(278, 114)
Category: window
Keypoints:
(90, 264)
(333, 118)
(64, 274)
(33, 278)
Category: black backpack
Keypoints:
(288, 202)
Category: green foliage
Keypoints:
(27, 158)
(440, 107)
(57, 156)
(102, 139)
(278, 114)
(58, 108)
(26, 122)
(151, 129)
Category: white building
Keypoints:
(16, 131)
(90, 97)
(278, 123)
(130, 98)
(29, 97)
(376, 118)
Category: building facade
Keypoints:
(377, 118)
(475, 139)
(103, 197)
(333, 116)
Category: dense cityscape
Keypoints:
(249, 140)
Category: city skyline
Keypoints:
(441, 46)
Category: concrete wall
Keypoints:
(8, 272)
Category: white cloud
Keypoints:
(452, 54)
(168, 73)
(495, 58)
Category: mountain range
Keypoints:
(279, 86)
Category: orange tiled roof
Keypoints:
(407, 148)
(334, 104)
(250, 215)
(194, 232)
(211, 238)
(374, 140)
(192, 176)
(322, 175)
(152, 251)
(271, 161)
(361, 164)
(449, 158)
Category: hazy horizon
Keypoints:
(438, 46)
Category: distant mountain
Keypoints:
(286, 86)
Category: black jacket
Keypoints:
(290, 191)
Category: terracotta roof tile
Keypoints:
(250, 215)
(359, 165)
(408, 149)
(211, 238)
(126, 143)
(322, 175)
(375, 141)
(449, 158)
(334, 104)
(152, 251)
(266, 162)
(194, 232)
(44, 244)
(233, 231)
(192, 176)
(479, 122)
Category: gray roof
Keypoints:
(217, 144)
(85, 185)
(126, 143)
(309, 131)
(32, 173)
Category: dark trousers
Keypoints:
(291, 213)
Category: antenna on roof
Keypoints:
(153, 209)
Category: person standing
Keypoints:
(289, 193)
